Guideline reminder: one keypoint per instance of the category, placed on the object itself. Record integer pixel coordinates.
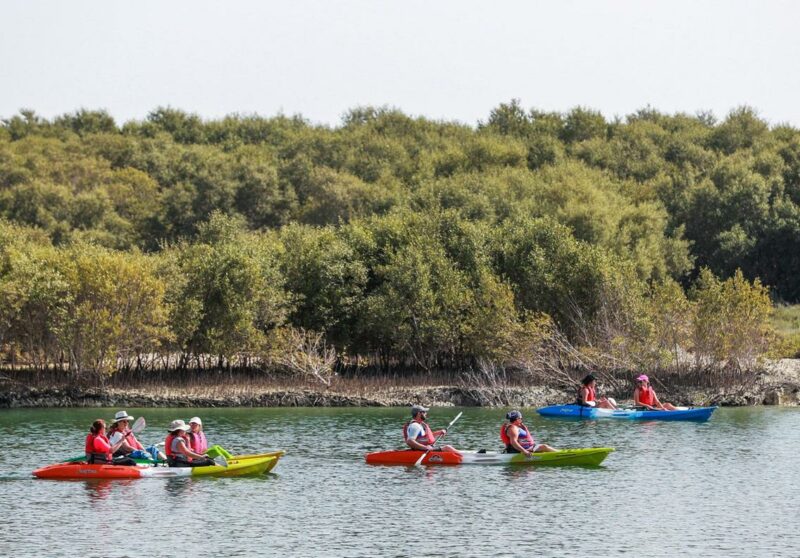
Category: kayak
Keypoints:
(583, 456)
(236, 467)
(142, 461)
(578, 411)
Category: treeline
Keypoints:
(405, 242)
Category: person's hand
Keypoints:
(430, 448)
(527, 453)
(444, 431)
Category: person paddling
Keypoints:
(197, 439)
(518, 438)
(587, 395)
(99, 450)
(177, 447)
(419, 436)
(645, 396)
(120, 432)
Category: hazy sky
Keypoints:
(453, 60)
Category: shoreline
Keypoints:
(767, 389)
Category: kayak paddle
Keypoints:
(221, 461)
(458, 416)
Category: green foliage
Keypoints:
(414, 241)
(732, 323)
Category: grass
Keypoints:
(786, 319)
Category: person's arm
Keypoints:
(658, 404)
(185, 450)
(583, 393)
(413, 430)
(513, 436)
(117, 441)
(101, 446)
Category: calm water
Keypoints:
(724, 488)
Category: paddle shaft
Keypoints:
(442, 435)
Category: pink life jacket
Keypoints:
(198, 442)
(426, 438)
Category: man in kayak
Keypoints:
(587, 396)
(518, 438)
(645, 396)
(419, 436)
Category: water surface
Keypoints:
(723, 488)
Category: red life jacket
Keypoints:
(647, 396)
(525, 440)
(168, 444)
(90, 450)
(426, 438)
(590, 394)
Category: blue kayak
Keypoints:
(577, 411)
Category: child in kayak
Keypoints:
(119, 432)
(587, 396)
(197, 439)
(99, 450)
(419, 436)
(518, 438)
(645, 396)
(179, 454)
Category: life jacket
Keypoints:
(647, 396)
(590, 394)
(427, 438)
(168, 445)
(91, 454)
(129, 437)
(524, 436)
(198, 442)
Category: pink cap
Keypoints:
(643, 378)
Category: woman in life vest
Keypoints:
(99, 450)
(197, 439)
(419, 436)
(518, 438)
(179, 452)
(587, 395)
(119, 431)
(645, 396)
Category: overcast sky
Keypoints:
(445, 59)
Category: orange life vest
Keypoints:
(91, 451)
(426, 438)
(168, 444)
(590, 394)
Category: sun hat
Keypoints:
(122, 415)
(177, 425)
(418, 409)
(196, 420)
(643, 378)
(513, 415)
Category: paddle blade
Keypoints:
(139, 425)
(221, 461)
(421, 457)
